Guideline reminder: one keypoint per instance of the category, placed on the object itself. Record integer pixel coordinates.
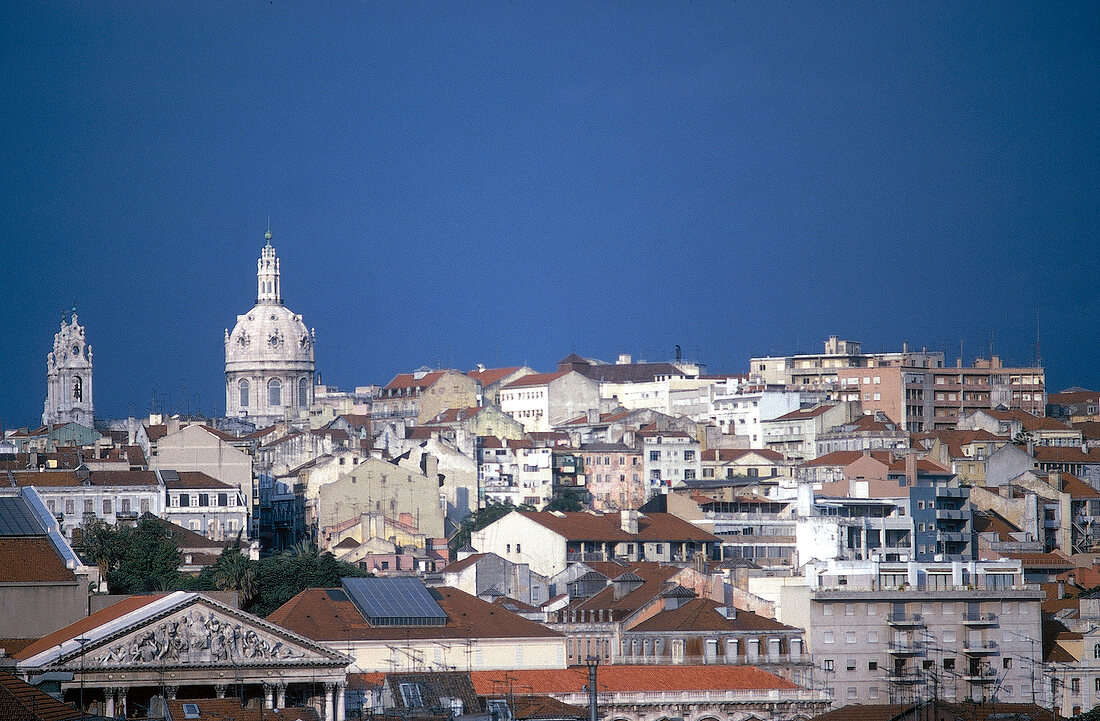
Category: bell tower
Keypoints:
(267, 275)
(69, 376)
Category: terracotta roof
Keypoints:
(489, 376)
(536, 379)
(604, 418)
(584, 526)
(733, 454)
(1064, 454)
(21, 701)
(1077, 488)
(701, 614)
(656, 580)
(804, 413)
(514, 605)
(1068, 397)
(30, 559)
(844, 458)
(627, 372)
(196, 479)
(1054, 559)
(626, 679)
(923, 466)
(261, 432)
(1029, 421)
(220, 434)
(409, 380)
(457, 415)
(990, 522)
(465, 563)
(1090, 430)
(230, 709)
(545, 707)
(323, 615)
(86, 624)
(357, 420)
(56, 479)
(156, 431)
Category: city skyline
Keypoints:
(507, 184)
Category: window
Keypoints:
(274, 392)
(828, 637)
(689, 474)
(518, 549)
(144, 505)
(410, 694)
(827, 664)
(243, 386)
(853, 692)
(184, 500)
(1075, 685)
(872, 637)
(948, 664)
(1006, 662)
(303, 393)
(872, 692)
(849, 637)
(204, 499)
(872, 665)
(654, 455)
(106, 506)
(223, 499)
(851, 664)
(689, 455)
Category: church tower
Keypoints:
(269, 367)
(69, 376)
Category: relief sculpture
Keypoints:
(196, 637)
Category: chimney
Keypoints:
(1031, 447)
(910, 469)
(593, 415)
(624, 359)
(1061, 589)
(628, 520)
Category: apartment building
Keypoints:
(821, 370)
(901, 632)
(930, 398)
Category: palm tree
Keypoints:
(235, 572)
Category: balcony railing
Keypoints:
(785, 658)
(980, 648)
(986, 675)
(905, 619)
(906, 648)
(980, 619)
(905, 676)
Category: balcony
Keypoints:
(978, 620)
(905, 677)
(662, 660)
(907, 648)
(951, 514)
(981, 648)
(953, 537)
(984, 676)
(905, 619)
(951, 492)
(126, 515)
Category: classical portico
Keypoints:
(186, 646)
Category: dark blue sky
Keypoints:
(504, 182)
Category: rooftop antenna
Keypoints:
(1038, 350)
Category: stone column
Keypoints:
(280, 696)
(329, 710)
(109, 695)
(220, 689)
(341, 710)
(269, 700)
(122, 701)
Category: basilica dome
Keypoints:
(269, 365)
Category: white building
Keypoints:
(514, 472)
(669, 458)
(269, 365)
(69, 377)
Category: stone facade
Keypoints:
(69, 377)
(269, 364)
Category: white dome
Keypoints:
(269, 368)
(269, 336)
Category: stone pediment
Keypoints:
(199, 632)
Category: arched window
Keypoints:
(78, 388)
(1096, 651)
(303, 393)
(274, 392)
(244, 388)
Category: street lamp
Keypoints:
(592, 662)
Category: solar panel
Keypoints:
(17, 518)
(397, 601)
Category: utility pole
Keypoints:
(593, 710)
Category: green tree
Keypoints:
(148, 559)
(567, 502)
(283, 576)
(99, 546)
(234, 571)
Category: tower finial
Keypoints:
(268, 233)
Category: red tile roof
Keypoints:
(84, 625)
(701, 614)
(196, 479)
(1065, 454)
(536, 379)
(156, 431)
(489, 376)
(584, 526)
(314, 614)
(1030, 422)
(20, 701)
(844, 458)
(804, 413)
(923, 466)
(409, 380)
(55, 479)
(626, 679)
(230, 709)
(31, 559)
